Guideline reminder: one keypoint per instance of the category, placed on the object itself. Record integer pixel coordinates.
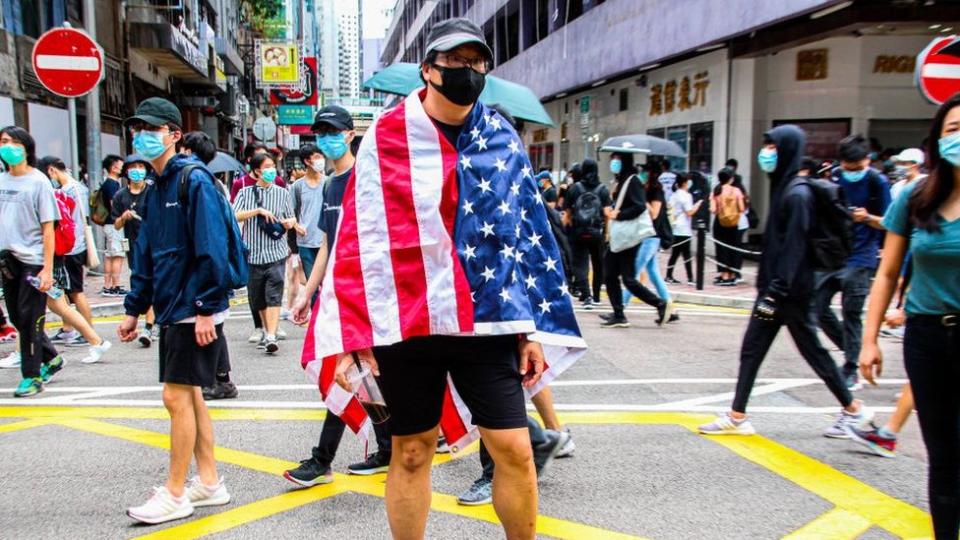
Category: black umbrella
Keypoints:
(224, 162)
(642, 144)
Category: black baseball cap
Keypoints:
(156, 111)
(333, 115)
(451, 33)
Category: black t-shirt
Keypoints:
(125, 200)
(108, 190)
(332, 203)
(451, 133)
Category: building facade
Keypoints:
(711, 76)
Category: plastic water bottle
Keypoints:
(53, 292)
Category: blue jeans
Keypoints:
(648, 261)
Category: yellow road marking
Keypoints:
(837, 524)
(247, 513)
(158, 413)
(23, 424)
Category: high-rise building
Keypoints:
(349, 57)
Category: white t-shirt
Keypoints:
(26, 202)
(897, 188)
(667, 180)
(682, 203)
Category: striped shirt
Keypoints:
(263, 249)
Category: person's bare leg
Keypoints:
(514, 481)
(73, 318)
(543, 401)
(203, 448)
(902, 412)
(82, 305)
(150, 317)
(271, 320)
(408, 484)
(178, 399)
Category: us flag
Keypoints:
(440, 240)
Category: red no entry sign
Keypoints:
(938, 73)
(68, 62)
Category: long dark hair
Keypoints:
(726, 177)
(935, 189)
(23, 137)
(654, 189)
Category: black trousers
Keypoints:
(931, 352)
(799, 319)
(730, 260)
(28, 310)
(585, 254)
(681, 248)
(623, 266)
(332, 433)
(3, 318)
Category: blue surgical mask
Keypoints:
(853, 176)
(949, 148)
(149, 144)
(616, 166)
(644, 176)
(333, 146)
(137, 175)
(269, 175)
(13, 154)
(767, 160)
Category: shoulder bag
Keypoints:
(625, 234)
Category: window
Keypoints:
(624, 99)
(566, 107)
(701, 147)
(678, 134)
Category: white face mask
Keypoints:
(317, 165)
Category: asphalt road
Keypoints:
(77, 455)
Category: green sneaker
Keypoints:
(29, 387)
(51, 368)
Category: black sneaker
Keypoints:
(588, 303)
(310, 473)
(544, 452)
(220, 390)
(606, 316)
(670, 280)
(673, 318)
(376, 463)
(615, 321)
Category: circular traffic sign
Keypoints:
(68, 62)
(265, 129)
(938, 72)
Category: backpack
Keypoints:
(831, 239)
(238, 271)
(99, 211)
(64, 230)
(588, 216)
(728, 212)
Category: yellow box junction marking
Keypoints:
(858, 505)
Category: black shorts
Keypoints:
(265, 286)
(182, 361)
(413, 377)
(73, 265)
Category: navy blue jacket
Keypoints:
(181, 254)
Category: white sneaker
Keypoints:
(144, 338)
(11, 361)
(96, 352)
(284, 314)
(201, 495)
(281, 334)
(727, 425)
(841, 427)
(256, 336)
(567, 450)
(161, 508)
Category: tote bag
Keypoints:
(628, 233)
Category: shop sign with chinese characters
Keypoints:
(679, 95)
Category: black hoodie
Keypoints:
(589, 180)
(785, 268)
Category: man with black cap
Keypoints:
(334, 128)
(446, 282)
(182, 262)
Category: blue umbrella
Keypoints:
(403, 78)
(224, 162)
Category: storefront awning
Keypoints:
(169, 48)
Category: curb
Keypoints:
(714, 301)
(114, 309)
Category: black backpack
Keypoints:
(238, 270)
(588, 219)
(831, 238)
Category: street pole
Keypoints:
(701, 253)
(93, 106)
(74, 142)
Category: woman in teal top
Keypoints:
(925, 219)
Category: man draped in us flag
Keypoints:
(446, 279)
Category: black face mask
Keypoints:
(460, 85)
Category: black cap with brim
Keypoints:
(334, 116)
(452, 33)
(155, 111)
